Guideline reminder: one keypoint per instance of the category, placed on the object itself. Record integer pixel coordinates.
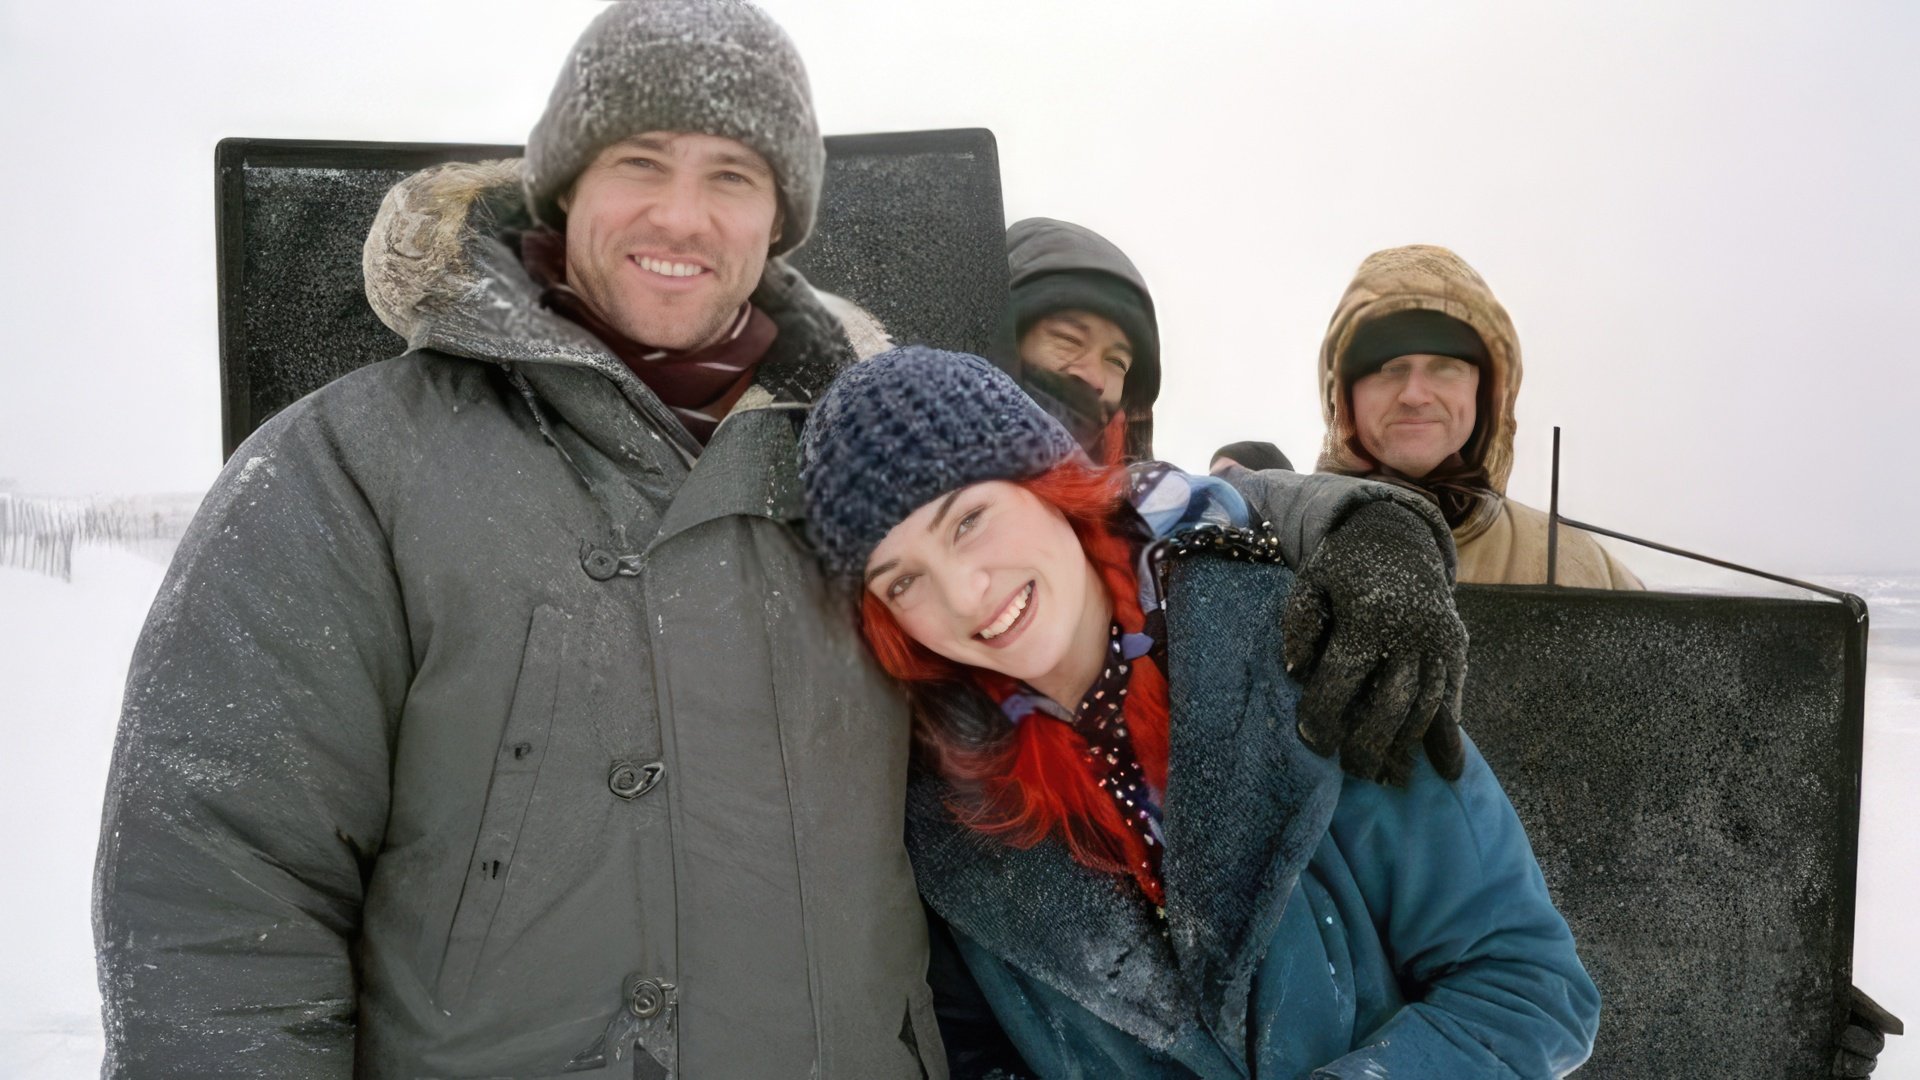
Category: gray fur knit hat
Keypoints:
(715, 67)
(897, 431)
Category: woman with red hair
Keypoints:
(1143, 869)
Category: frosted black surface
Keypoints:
(1688, 772)
(305, 316)
(911, 228)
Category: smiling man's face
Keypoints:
(667, 234)
(1416, 411)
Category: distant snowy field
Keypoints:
(63, 656)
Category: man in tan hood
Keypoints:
(1418, 376)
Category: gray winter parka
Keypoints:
(480, 727)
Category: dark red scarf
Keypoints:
(699, 385)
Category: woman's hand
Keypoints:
(1372, 631)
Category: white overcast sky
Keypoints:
(1701, 215)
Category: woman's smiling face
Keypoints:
(992, 576)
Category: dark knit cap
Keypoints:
(898, 431)
(711, 67)
(1408, 333)
(1254, 455)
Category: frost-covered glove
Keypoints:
(1858, 1047)
(1372, 631)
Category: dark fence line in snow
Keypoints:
(39, 534)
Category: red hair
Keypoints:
(1038, 780)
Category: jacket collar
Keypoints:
(1247, 805)
(751, 467)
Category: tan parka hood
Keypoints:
(1423, 277)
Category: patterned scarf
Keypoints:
(1169, 501)
(700, 385)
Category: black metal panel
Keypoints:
(291, 218)
(910, 227)
(1688, 770)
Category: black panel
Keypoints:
(1688, 772)
(910, 227)
(291, 218)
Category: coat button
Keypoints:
(645, 997)
(630, 781)
(600, 564)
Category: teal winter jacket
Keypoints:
(1317, 925)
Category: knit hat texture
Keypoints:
(712, 67)
(898, 431)
(1254, 455)
(1409, 332)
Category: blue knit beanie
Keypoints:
(898, 431)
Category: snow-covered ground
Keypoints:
(63, 655)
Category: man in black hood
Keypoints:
(1078, 309)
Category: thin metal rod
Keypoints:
(1553, 513)
(1682, 552)
(1554, 521)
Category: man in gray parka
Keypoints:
(494, 718)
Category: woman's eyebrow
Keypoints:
(940, 514)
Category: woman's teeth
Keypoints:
(1010, 616)
(669, 269)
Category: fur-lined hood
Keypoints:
(439, 273)
(1422, 276)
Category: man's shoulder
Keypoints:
(1583, 561)
(1521, 516)
(411, 387)
(1533, 522)
(368, 422)
(816, 339)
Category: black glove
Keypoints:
(1371, 628)
(1860, 1042)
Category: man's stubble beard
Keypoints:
(604, 294)
(711, 326)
